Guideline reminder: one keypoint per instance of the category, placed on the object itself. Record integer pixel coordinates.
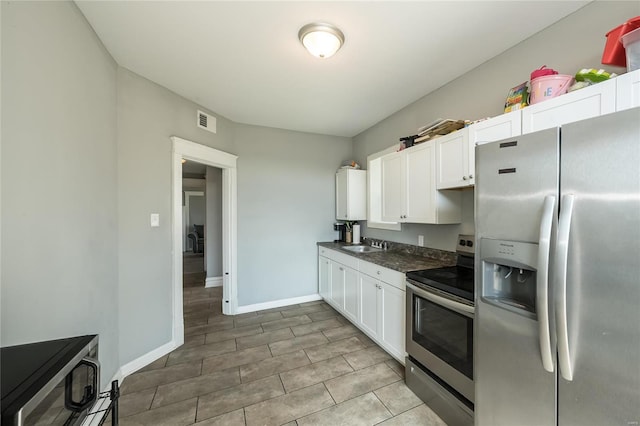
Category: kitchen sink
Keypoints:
(361, 249)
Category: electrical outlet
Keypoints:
(421, 240)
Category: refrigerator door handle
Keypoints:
(542, 296)
(562, 252)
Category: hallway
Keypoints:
(193, 274)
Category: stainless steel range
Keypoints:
(439, 341)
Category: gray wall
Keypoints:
(571, 44)
(196, 210)
(213, 229)
(286, 203)
(148, 115)
(59, 239)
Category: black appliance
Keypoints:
(53, 383)
(439, 340)
(342, 232)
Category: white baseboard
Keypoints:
(213, 282)
(146, 359)
(277, 303)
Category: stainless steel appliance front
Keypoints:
(440, 336)
(558, 343)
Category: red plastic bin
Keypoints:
(614, 53)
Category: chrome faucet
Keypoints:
(379, 244)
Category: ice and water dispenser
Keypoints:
(509, 275)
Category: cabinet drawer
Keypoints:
(387, 275)
(342, 258)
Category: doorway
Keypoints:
(198, 153)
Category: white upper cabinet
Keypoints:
(393, 187)
(419, 184)
(455, 158)
(351, 194)
(585, 103)
(493, 129)
(456, 153)
(628, 90)
(409, 188)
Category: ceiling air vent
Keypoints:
(206, 122)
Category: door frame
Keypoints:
(199, 153)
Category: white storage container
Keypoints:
(631, 43)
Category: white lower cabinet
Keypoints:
(368, 302)
(382, 314)
(344, 289)
(324, 269)
(351, 294)
(370, 296)
(337, 285)
(392, 320)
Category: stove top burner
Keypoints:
(457, 280)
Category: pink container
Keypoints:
(550, 86)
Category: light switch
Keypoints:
(155, 220)
(421, 240)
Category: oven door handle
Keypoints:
(458, 307)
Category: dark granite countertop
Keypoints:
(401, 257)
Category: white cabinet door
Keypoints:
(392, 187)
(409, 191)
(324, 276)
(420, 190)
(452, 154)
(351, 294)
(368, 305)
(336, 285)
(585, 103)
(351, 194)
(341, 196)
(628, 90)
(494, 129)
(392, 319)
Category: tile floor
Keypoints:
(296, 365)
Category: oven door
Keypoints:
(440, 337)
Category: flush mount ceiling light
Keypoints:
(321, 40)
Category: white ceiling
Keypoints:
(243, 60)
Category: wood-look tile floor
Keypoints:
(296, 365)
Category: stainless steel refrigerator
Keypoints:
(557, 328)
